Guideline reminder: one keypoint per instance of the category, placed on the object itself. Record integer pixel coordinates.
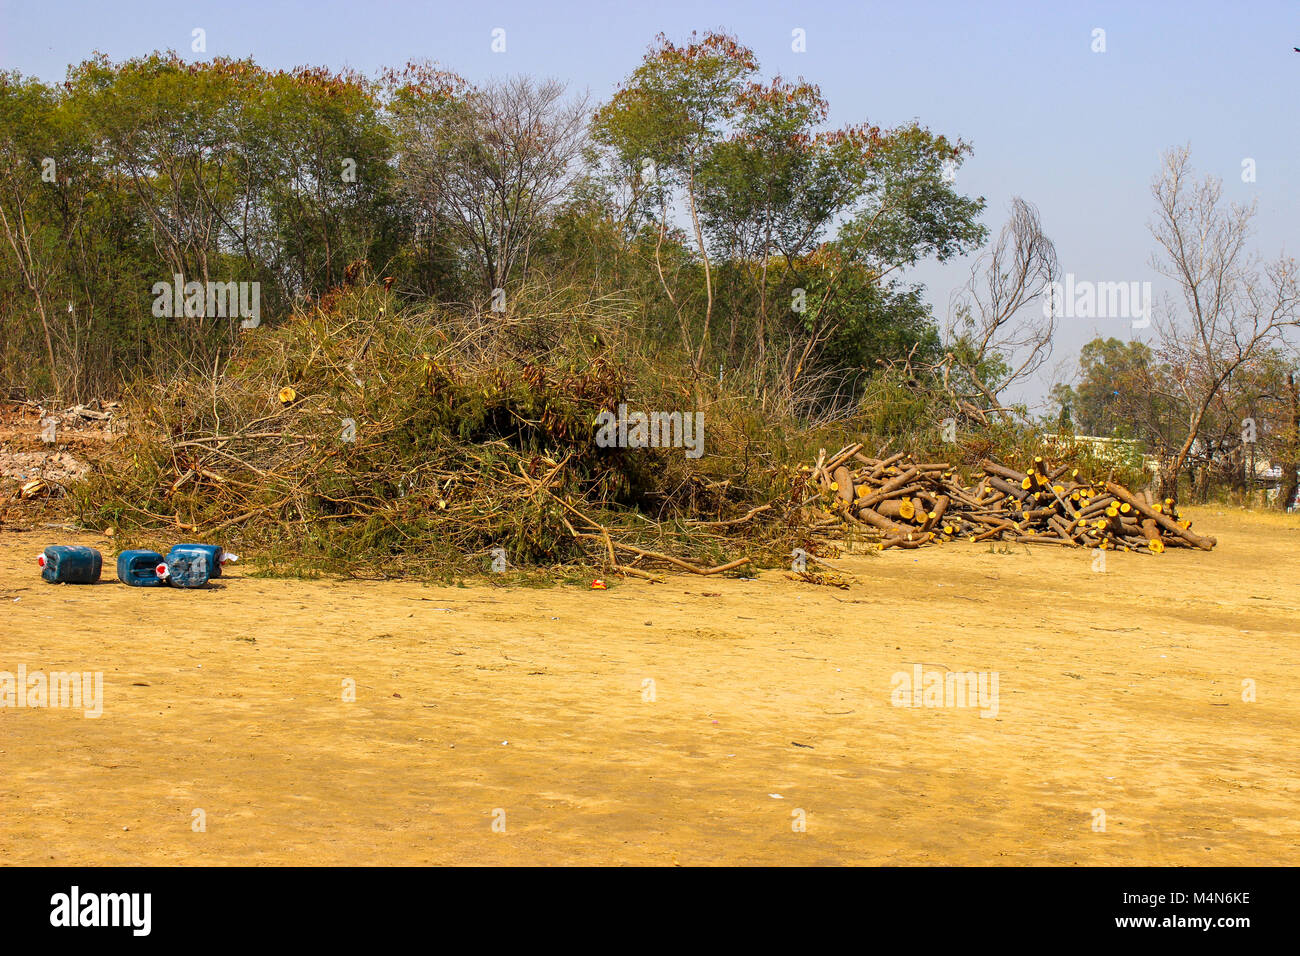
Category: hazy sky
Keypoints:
(1079, 133)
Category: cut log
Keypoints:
(936, 513)
(843, 484)
(1123, 494)
(877, 520)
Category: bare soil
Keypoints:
(692, 722)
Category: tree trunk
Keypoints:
(762, 305)
(1169, 473)
(708, 272)
(1290, 484)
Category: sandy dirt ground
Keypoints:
(695, 722)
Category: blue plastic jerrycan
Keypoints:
(217, 556)
(139, 568)
(70, 564)
(185, 569)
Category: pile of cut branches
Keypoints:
(354, 440)
(909, 504)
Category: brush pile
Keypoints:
(908, 504)
(352, 440)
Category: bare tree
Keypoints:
(1233, 310)
(1002, 321)
(491, 165)
(37, 274)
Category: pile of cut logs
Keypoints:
(914, 503)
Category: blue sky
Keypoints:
(1076, 132)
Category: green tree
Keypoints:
(1114, 397)
(664, 123)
